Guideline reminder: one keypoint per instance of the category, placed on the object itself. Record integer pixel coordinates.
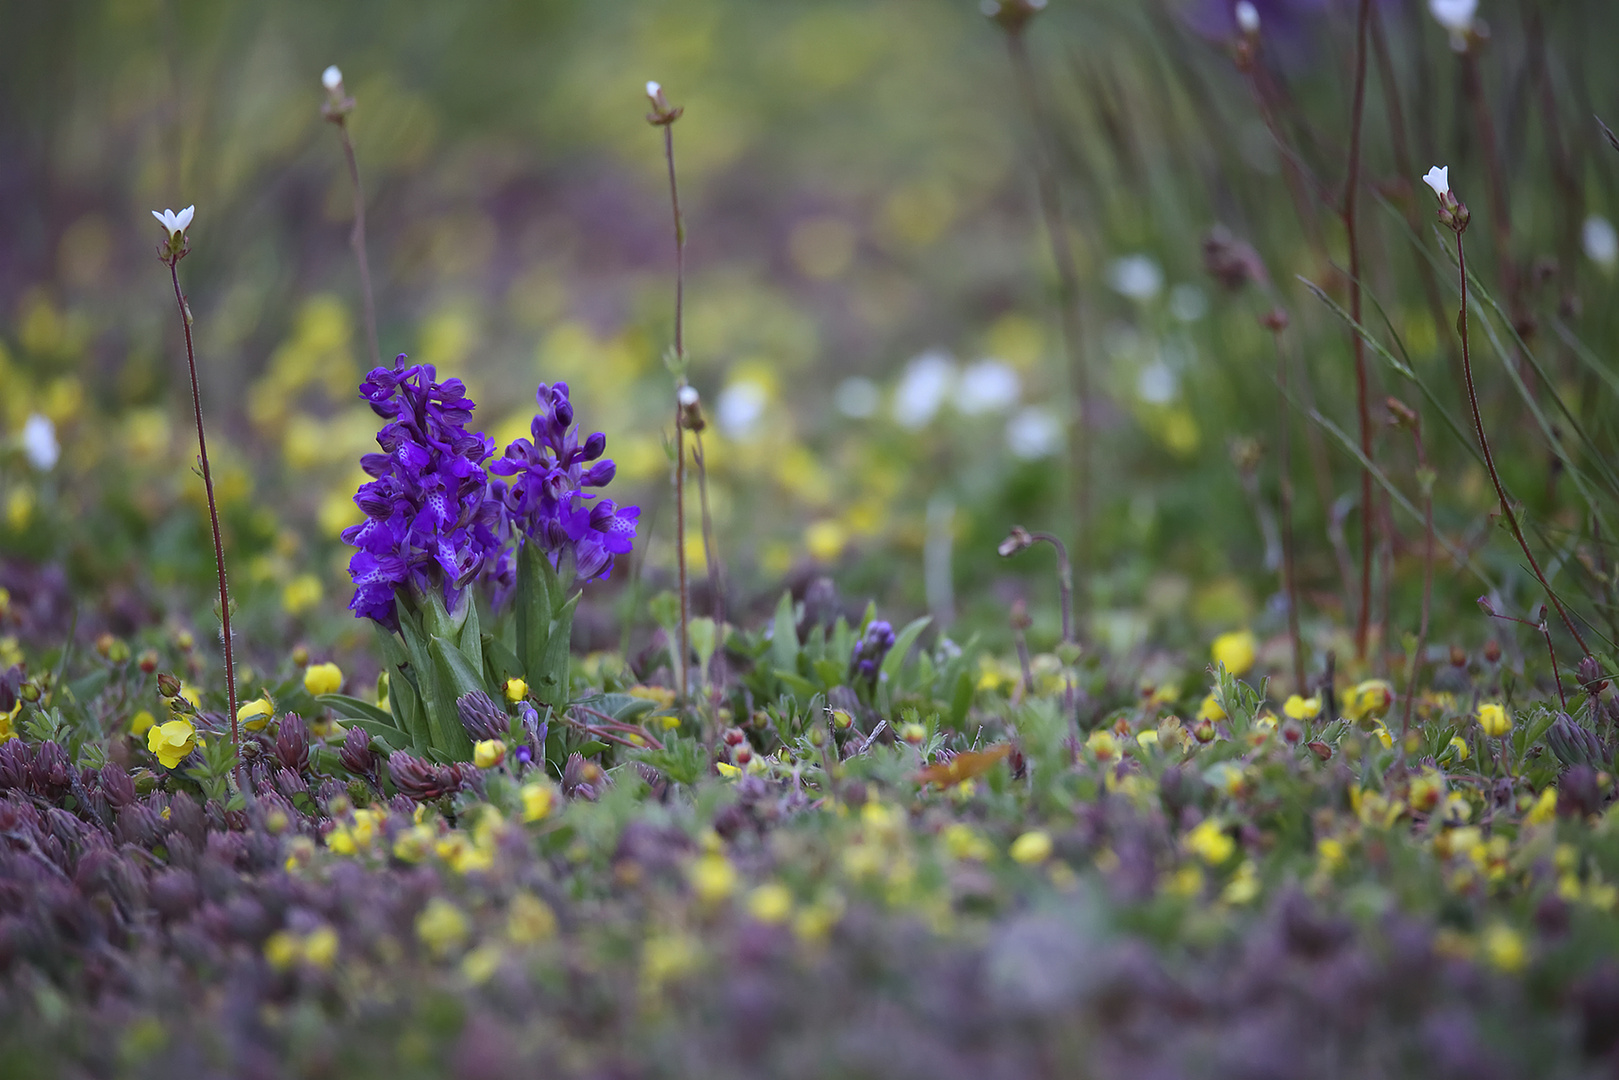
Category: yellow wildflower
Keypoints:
(320, 948)
(442, 927)
(771, 903)
(1032, 848)
(660, 695)
(1505, 948)
(538, 801)
(1210, 709)
(139, 724)
(1302, 708)
(516, 689)
(963, 843)
(1459, 750)
(713, 878)
(324, 678)
(1369, 700)
(487, 753)
(530, 920)
(480, 965)
(1545, 808)
(1103, 745)
(1494, 720)
(1243, 886)
(1209, 842)
(172, 741)
(1236, 650)
(255, 715)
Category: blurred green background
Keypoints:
(870, 292)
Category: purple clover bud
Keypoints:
(356, 754)
(292, 742)
(870, 650)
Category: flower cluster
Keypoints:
(430, 520)
(547, 502)
(870, 650)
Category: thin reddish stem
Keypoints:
(213, 517)
(1362, 391)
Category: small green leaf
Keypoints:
(894, 662)
(353, 706)
(784, 639)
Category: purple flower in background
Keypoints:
(431, 518)
(546, 502)
(870, 650)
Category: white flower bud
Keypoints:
(687, 396)
(331, 79)
(39, 442)
(1247, 17)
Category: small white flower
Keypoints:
(1157, 384)
(653, 90)
(1033, 432)
(1601, 241)
(1188, 303)
(1247, 17)
(1454, 15)
(175, 223)
(687, 396)
(857, 397)
(39, 442)
(1136, 276)
(331, 78)
(740, 407)
(987, 386)
(1438, 179)
(923, 388)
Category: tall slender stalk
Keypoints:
(1425, 481)
(1276, 322)
(336, 110)
(1012, 16)
(1352, 231)
(664, 115)
(1455, 215)
(172, 254)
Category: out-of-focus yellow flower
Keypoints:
(516, 689)
(713, 878)
(538, 800)
(442, 927)
(1209, 842)
(1302, 708)
(1236, 650)
(255, 715)
(662, 695)
(1545, 809)
(172, 741)
(1243, 887)
(324, 678)
(727, 770)
(487, 753)
(1376, 809)
(1330, 850)
(1210, 709)
(1032, 848)
(1369, 700)
(320, 947)
(825, 540)
(1458, 749)
(1426, 790)
(1102, 743)
(1505, 948)
(1186, 883)
(666, 957)
(530, 920)
(480, 965)
(771, 903)
(139, 724)
(963, 843)
(1494, 720)
(301, 593)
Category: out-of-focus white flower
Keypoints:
(1438, 179)
(1188, 303)
(1247, 17)
(1157, 384)
(923, 388)
(176, 223)
(1600, 241)
(857, 397)
(1136, 277)
(687, 396)
(1033, 432)
(332, 79)
(987, 386)
(740, 407)
(653, 90)
(1456, 16)
(39, 442)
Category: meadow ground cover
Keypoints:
(933, 541)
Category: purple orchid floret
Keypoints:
(432, 520)
(546, 501)
(870, 650)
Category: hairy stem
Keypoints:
(213, 517)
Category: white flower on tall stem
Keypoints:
(176, 224)
(1247, 17)
(39, 442)
(1457, 17)
(332, 79)
(1438, 179)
